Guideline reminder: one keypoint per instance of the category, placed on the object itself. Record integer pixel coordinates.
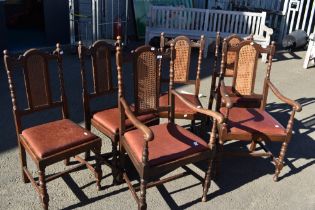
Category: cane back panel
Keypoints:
(245, 69)
(102, 68)
(146, 77)
(182, 59)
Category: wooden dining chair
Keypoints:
(50, 142)
(156, 150)
(182, 68)
(106, 119)
(254, 125)
(228, 71)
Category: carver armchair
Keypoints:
(254, 125)
(157, 150)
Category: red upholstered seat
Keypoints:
(252, 121)
(110, 119)
(250, 101)
(180, 107)
(170, 142)
(51, 138)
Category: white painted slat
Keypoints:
(193, 20)
(312, 19)
(305, 16)
(253, 25)
(297, 25)
(219, 22)
(232, 24)
(236, 27)
(215, 28)
(228, 23)
(223, 23)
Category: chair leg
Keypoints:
(115, 163)
(23, 163)
(279, 161)
(43, 189)
(98, 169)
(87, 155)
(142, 202)
(66, 161)
(217, 161)
(192, 126)
(121, 165)
(207, 182)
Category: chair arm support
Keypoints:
(219, 117)
(268, 30)
(225, 97)
(277, 93)
(148, 134)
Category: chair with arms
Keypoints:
(254, 125)
(182, 66)
(105, 120)
(156, 150)
(50, 142)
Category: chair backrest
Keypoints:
(100, 53)
(245, 67)
(232, 41)
(36, 71)
(182, 59)
(146, 79)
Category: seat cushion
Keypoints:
(110, 119)
(51, 138)
(170, 142)
(250, 101)
(251, 122)
(180, 107)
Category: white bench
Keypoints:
(193, 23)
(310, 53)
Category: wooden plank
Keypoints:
(297, 25)
(312, 20)
(305, 16)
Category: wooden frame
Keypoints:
(32, 62)
(146, 171)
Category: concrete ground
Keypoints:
(244, 183)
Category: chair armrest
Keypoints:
(225, 97)
(219, 117)
(277, 93)
(268, 30)
(148, 134)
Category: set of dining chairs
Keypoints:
(137, 134)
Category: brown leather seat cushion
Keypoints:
(180, 107)
(170, 142)
(252, 121)
(250, 101)
(110, 119)
(51, 138)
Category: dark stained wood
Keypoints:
(149, 175)
(253, 137)
(100, 53)
(34, 63)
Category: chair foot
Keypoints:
(98, 169)
(43, 189)
(207, 182)
(142, 201)
(66, 161)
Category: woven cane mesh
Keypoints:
(36, 69)
(231, 56)
(246, 70)
(181, 61)
(102, 71)
(147, 75)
